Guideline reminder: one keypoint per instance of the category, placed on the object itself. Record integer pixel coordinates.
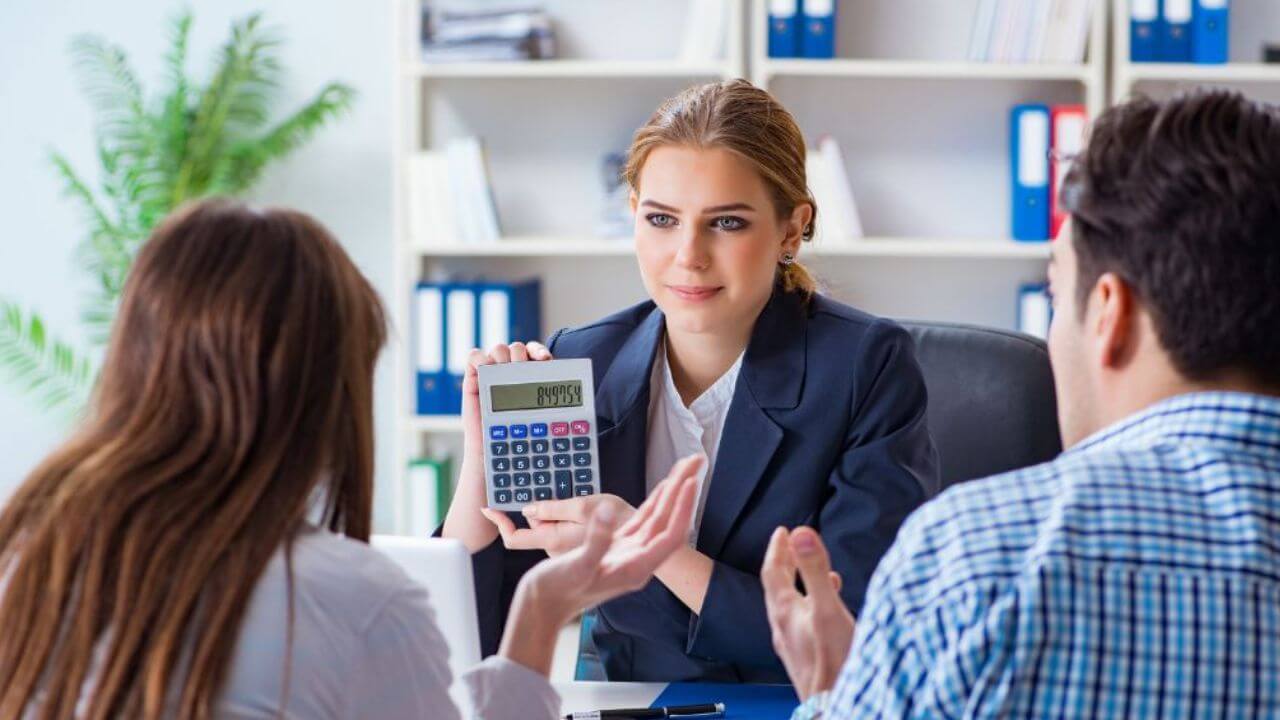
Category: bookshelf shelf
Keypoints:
(436, 423)
(1184, 72)
(566, 69)
(957, 248)
(924, 69)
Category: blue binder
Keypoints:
(1145, 27)
(430, 379)
(1175, 41)
(784, 28)
(507, 312)
(1029, 171)
(460, 325)
(1211, 22)
(818, 39)
(1035, 312)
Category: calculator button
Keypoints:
(564, 485)
(579, 460)
(519, 431)
(582, 475)
(501, 480)
(501, 464)
(560, 461)
(522, 479)
(582, 443)
(559, 429)
(498, 448)
(583, 490)
(538, 446)
(524, 496)
(502, 497)
(542, 493)
(541, 462)
(542, 478)
(498, 432)
(538, 430)
(519, 447)
(579, 427)
(522, 463)
(560, 444)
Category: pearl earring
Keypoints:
(788, 259)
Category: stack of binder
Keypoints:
(802, 29)
(1179, 31)
(457, 34)
(1021, 31)
(1042, 142)
(428, 489)
(450, 197)
(451, 319)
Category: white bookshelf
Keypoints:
(1252, 23)
(924, 134)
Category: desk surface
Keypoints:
(743, 702)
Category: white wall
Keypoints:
(343, 177)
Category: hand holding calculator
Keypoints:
(538, 420)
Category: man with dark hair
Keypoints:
(1138, 574)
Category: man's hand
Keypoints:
(812, 633)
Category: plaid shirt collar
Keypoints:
(1248, 421)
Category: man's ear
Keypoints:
(1115, 323)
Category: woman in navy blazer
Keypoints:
(825, 424)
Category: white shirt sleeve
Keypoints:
(405, 673)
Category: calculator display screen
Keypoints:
(536, 396)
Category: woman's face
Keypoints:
(708, 238)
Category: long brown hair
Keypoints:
(742, 118)
(237, 383)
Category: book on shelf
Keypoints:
(450, 198)
(1030, 31)
(838, 218)
(427, 492)
(454, 32)
(1035, 311)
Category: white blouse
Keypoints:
(676, 431)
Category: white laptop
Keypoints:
(443, 567)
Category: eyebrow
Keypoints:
(706, 211)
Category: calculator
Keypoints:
(538, 420)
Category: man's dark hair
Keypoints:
(1181, 199)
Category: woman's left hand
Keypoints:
(557, 526)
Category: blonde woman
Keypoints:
(808, 411)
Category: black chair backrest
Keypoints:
(992, 406)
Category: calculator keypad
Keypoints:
(541, 461)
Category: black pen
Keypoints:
(710, 710)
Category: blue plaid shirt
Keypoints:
(1137, 575)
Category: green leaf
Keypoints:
(249, 158)
(48, 370)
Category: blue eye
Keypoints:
(660, 220)
(729, 223)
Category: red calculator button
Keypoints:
(559, 429)
(581, 427)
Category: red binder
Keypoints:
(1066, 136)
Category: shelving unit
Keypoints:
(924, 134)
(1253, 22)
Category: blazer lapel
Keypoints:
(622, 404)
(772, 377)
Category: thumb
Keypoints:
(814, 564)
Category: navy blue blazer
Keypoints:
(826, 428)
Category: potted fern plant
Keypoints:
(193, 140)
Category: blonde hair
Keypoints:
(742, 118)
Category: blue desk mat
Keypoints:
(741, 702)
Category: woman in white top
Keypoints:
(161, 564)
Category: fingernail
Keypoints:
(803, 543)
